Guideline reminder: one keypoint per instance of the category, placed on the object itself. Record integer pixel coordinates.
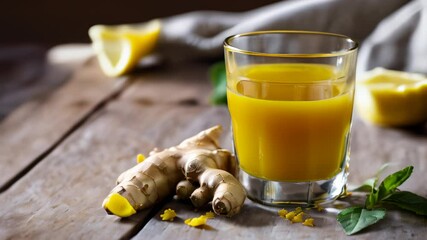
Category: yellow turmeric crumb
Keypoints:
(140, 158)
(290, 215)
(309, 222)
(298, 210)
(282, 213)
(168, 215)
(319, 208)
(209, 214)
(346, 194)
(298, 218)
(196, 222)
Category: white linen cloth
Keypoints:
(392, 33)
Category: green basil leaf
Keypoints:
(392, 181)
(355, 219)
(218, 78)
(371, 199)
(408, 201)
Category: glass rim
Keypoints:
(229, 47)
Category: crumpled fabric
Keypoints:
(399, 41)
(392, 33)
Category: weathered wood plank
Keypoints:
(372, 146)
(22, 70)
(62, 195)
(262, 222)
(35, 127)
(183, 84)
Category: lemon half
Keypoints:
(120, 47)
(392, 98)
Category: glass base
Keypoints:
(304, 194)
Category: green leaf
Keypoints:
(370, 186)
(218, 78)
(354, 219)
(392, 181)
(371, 199)
(408, 201)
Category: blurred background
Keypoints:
(50, 22)
(30, 28)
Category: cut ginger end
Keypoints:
(118, 205)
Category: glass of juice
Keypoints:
(290, 97)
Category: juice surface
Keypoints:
(290, 121)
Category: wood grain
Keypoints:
(183, 84)
(261, 222)
(61, 196)
(34, 128)
(371, 147)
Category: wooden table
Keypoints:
(61, 153)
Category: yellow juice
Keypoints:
(290, 121)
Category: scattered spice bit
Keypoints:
(140, 158)
(209, 215)
(298, 218)
(319, 208)
(298, 210)
(168, 215)
(346, 194)
(309, 222)
(282, 213)
(290, 215)
(196, 222)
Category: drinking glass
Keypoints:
(290, 97)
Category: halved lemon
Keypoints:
(120, 47)
(392, 98)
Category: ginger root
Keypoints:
(197, 169)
